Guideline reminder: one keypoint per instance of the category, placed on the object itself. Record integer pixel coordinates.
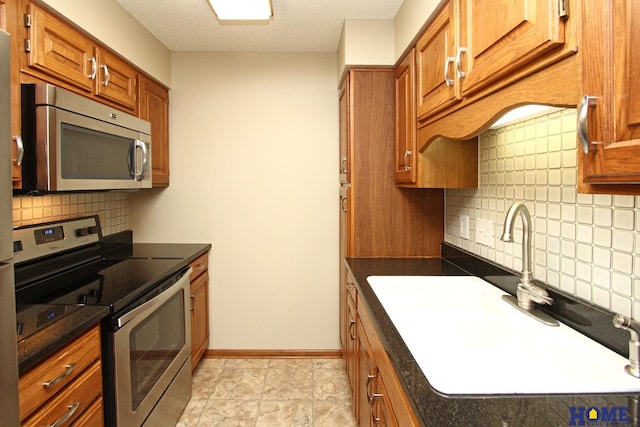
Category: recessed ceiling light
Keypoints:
(242, 10)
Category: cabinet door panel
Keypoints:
(610, 37)
(154, 107)
(435, 52)
(59, 51)
(115, 79)
(199, 318)
(405, 163)
(525, 31)
(345, 129)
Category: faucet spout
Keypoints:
(507, 236)
(527, 293)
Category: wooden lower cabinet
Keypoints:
(66, 388)
(377, 395)
(199, 308)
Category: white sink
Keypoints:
(467, 340)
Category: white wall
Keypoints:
(365, 42)
(411, 17)
(254, 148)
(128, 37)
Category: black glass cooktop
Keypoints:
(114, 284)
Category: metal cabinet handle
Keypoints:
(352, 334)
(407, 154)
(343, 165)
(343, 203)
(106, 75)
(68, 370)
(193, 298)
(200, 266)
(447, 80)
(461, 74)
(583, 123)
(72, 410)
(94, 68)
(18, 160)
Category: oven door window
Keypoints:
(153, 344)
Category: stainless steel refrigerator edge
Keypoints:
(8, 348)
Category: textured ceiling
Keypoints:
(297, 25)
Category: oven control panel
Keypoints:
(39, 240)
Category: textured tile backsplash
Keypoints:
(112, 208)
(586, 245)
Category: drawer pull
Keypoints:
(192, 298)
(68, 370)
(72, 410)
(200, 266)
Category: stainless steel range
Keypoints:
(147, 335)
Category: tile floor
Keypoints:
(269, 393)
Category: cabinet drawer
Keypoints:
(58, 370)
(70, 402)
(93, 416)
(199, 265)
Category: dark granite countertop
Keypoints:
(53, 326)
(59, 324)
(436, 409)
(188, 251)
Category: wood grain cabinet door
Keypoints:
(58, 50)
(490, 49)
(154, 107)
(609, 114)
(437, 87)
(115, 79)
(406, 153)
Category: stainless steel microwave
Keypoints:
(72, 143)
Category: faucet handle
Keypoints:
(537, 294)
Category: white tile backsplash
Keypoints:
(586, 245)
(111, 207)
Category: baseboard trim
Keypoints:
(271, 354)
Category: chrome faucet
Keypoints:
(623, 322)
(528, 294)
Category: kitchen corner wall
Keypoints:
(112, 208)
(585, 245)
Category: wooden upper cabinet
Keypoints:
(437, 87)
(115, 79)
(154, 107)
(56, 50)
(467, 52)
(501, 37)
(609, 114)
(406, 154)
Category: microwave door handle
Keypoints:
(139, 176)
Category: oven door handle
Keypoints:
(155, 301)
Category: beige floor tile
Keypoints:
(330, 384)
(333, 413)
(296, 392)
(229, 413)
(290, 413)
(288, 384)
(235, 383)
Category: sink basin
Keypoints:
(467, 340)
